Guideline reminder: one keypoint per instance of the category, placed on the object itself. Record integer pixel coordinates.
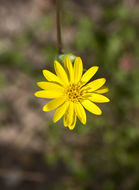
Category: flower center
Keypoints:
(74, 92)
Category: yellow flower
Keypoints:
(71, 93)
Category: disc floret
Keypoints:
(74, 92)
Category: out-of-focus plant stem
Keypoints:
(58, 23)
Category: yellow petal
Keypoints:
(71, 127)
(70, 113)
(89, 74)
(69, 68)
(91, 107)
(51, 77)
(60, 111)
(61, 72)
(78, 69)
(80, 112)
(103, 90)
(48, 94)
(65, 120)
(53, 104)
(51, 86)
(94, 85)
(98, 98)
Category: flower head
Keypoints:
(71, 92)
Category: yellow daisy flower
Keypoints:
(71, 92)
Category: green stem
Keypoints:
(58, 23)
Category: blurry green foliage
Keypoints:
(85, 37)
(104, 153)
(107, 145)
(2, 80)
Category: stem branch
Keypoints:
(58, 23)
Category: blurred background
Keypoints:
(37, 154)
